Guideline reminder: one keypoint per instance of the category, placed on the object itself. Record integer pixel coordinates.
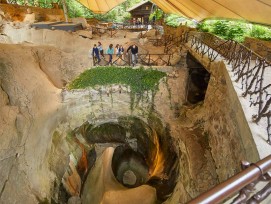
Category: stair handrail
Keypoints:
(244, 182)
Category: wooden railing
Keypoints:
(251, 71)
(142, 59)
(124, 26)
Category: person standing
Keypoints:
(100, 47)
(121, 50)
(110, 52)
(134, 51)
(95, 53)
(117, 50)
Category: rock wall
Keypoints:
(30, 113)
(37, 123)
(225, 126)
(169, 30)
(33, 111)
(263, 48)
(13, 12)
(65, 41)
(96, 106)
(28, 98)
(60, 50)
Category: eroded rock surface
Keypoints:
(37, 118)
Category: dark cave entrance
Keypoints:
(198, 79)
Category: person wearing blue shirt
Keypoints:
(96, 53)
(120, 51)
(110, 52)
(100, 47)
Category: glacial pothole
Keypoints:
(126, 157)
(129, 167)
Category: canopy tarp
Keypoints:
(100, 6)
(258, 11)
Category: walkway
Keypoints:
(250, 75)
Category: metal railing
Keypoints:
(252, 71)
(245, 181)
(142, 59)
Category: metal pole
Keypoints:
(234, 184)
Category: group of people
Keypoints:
(98, 52)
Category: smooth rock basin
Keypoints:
(129, 167)
(130, 156)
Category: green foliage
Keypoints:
(139, 80)
(130, 3)
(175, 20)
(40, 3)
(206, 26)
(235, 30)
(158, 14)
(75, 9)
(230, 30)
(220, 28)
(203, 27)
(261, 32)
(117, 14)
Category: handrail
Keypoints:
(252, 174)
(142, 59)
(248, 67)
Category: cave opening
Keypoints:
(198, 79)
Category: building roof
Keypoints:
(138, 5)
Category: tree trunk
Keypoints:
(65, 10)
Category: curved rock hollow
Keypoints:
(127, 155)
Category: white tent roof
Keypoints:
(258, 11)
(100, 6)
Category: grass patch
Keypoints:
(139, 80)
